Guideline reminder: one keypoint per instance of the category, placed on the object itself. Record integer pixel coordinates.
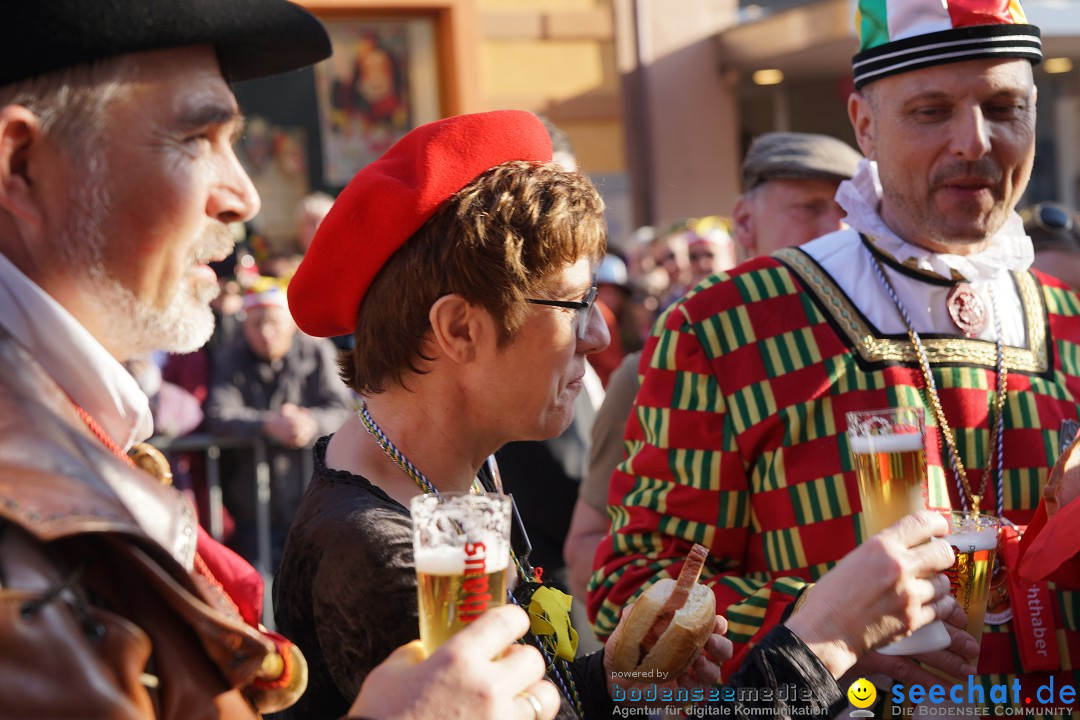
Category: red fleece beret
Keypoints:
(388, 201)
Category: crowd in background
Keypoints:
(259, 377)
(462, 324)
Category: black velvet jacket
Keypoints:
(346, 595)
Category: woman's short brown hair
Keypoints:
(497, 241)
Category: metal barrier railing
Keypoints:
(211, 446)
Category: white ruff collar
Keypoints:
(1009, 249)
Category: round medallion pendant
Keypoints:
(967, 309)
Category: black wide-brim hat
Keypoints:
(253, 38)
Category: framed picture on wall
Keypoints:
(381, 82)
(275, 157)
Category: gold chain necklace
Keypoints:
(967, 496)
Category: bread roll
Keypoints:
(679, 644)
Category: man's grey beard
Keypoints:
(132, 326)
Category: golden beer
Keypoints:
(974, 540)
(453, 588)
(891, 471)
(461, 550)
(889, 451)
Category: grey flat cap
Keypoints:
(797, 156)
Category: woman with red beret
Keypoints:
(463, 262)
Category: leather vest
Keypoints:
(99, 614)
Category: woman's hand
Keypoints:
(704, 671)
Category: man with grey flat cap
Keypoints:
(789, 182)
(117, 186)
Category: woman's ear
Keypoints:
(457, 327)
(21, 138)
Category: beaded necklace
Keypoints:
(559, 667)
(963, 486)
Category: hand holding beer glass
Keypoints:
(889, 450)
(461, 549)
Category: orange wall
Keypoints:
(556, 57)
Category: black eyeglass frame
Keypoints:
(580, 305)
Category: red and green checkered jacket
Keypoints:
(737, 440)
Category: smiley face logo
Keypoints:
(862, 693)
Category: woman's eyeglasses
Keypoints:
(584, 309)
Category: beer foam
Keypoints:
(885, 443)
(451, 560)
(973, 540)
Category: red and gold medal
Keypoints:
(967, 309)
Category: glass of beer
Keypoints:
(461, 546)
(889, 450)
(974, 538)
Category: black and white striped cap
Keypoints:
(897, 37)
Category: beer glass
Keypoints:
(461, 546)
(974, 539)
(889, 450)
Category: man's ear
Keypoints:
(743, 222)
(457, 327)
(860, 112)
(20, 135)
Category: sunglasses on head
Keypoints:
(1052, 217)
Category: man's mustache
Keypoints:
(218, 244)
(984, 169)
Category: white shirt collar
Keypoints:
(78, 363)
(1009, 249)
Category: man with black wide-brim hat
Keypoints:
(926, 301)
(117, 185)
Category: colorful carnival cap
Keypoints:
(388, 201)
(266, 292)
(710, 230)
(896, 36)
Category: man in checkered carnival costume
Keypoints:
(738, 437)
